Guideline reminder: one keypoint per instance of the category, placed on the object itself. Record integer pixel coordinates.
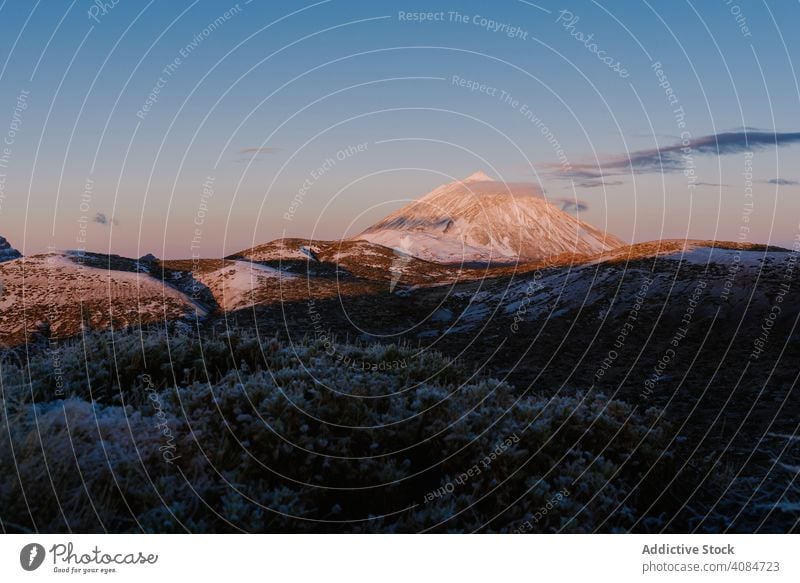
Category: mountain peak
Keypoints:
(478, 176)
(481, 220)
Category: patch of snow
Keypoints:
(233, 285)
(478, 176)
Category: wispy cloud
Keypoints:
(585, 178)
(782, 182)
(251, 154)
(597, 183)
(259, 150)
(674, 158)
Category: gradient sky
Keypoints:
(263, 98)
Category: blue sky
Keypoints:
(228, 151)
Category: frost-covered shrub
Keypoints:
(72, 463)
(262, 435)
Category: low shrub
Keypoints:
(259, 435)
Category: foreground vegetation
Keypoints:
(133, 431)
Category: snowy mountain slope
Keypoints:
(667, 273)
(480, 220)
(346, 259)
(287, 249)
(57, 292)
(692, 250)
(237, 283)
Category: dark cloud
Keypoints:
(673, 158)
(583, 173)
(782, 182)
(733, 142)
(102, 219)
(573, 206)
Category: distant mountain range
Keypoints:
(475, 231)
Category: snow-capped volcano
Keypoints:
(479, 219)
